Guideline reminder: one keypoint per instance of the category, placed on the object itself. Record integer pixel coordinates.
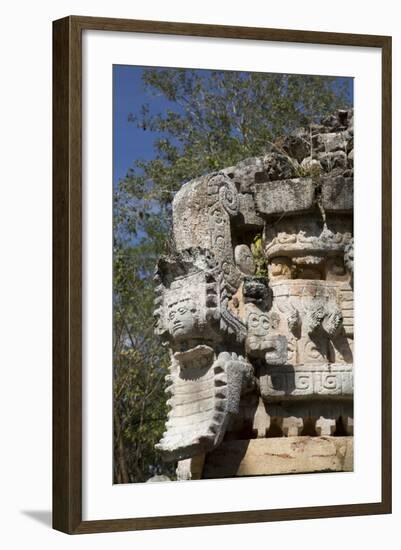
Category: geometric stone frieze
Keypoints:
(312, 381)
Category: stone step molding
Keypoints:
(273, 456)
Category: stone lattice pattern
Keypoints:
(261, 339)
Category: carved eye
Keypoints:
(171, 315)
(265, 323)
(182, 310)
(253, 320)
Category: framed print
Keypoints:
(222, 275)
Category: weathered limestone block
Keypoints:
(246, 173)
(337, 194)
(330, 142)
(333, 161)
(289, 195)
(298, 144)
(340, 120)
(191, 216)
(202, 211)
(247, 211)
(280, 455)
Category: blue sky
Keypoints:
(131, 143)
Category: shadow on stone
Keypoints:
(225, 460)
(284, 380)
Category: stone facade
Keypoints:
(261, 338)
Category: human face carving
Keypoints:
(181, 318)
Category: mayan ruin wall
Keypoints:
(256, 307)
